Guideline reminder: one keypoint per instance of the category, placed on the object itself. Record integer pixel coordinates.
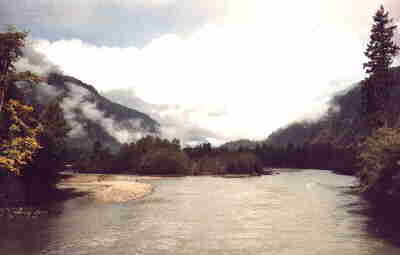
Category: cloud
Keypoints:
(46, 93)
(78, 103)
(69, 105)
(109, 22)
(35, 61)
(173, 119)
(262, 64)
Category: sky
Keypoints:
(235, 68)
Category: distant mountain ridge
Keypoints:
(91, 116)
(117, 111)
(343, 124)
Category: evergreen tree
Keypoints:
(380, 51)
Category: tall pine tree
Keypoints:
(381, 50)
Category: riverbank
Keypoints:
(106, 188)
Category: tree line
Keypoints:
(152, 155)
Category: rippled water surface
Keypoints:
(303, 212)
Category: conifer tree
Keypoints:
(381, 50)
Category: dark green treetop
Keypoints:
(381, 50)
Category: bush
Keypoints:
(379, 159)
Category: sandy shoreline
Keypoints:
(107, 188)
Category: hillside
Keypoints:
(342, 125)
(90, 116)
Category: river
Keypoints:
(298, 212)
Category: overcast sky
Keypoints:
(240, 69)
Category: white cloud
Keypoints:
(35, 61)
(264, 66)
(78, 99)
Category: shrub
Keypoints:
(379, 159)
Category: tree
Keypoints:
(164, 161)
(19, 130)
(53, 139)
(381, 50)
(40, 175)
(379, 162)
(11, 44)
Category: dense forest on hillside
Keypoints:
(92, 116)
(343, 124)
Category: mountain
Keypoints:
(90, 116)
(342, 125)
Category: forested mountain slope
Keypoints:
(342, 125)
(90, 116)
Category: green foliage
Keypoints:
(207, 160)
(50, 157)
(379, 158)
(133, 157)
(380, 51)
(379, 154)
(164, 161)
(100, 160)
(153, 155)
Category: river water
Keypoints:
(294, 213)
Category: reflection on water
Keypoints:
(304, 212)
